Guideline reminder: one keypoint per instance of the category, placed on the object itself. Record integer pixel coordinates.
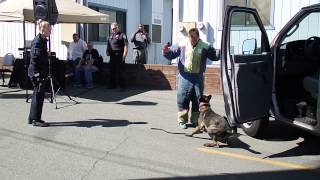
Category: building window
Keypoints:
(101, 32)
(265, 9)
(156, 33)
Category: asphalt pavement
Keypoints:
(134, 135)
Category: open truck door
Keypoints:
(246, 66)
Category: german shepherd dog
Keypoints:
(215, 125)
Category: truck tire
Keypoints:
(256, 129)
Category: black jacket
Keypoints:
(39, 63)
(116, 44)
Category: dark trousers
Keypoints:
(117, 68)
(189, 91)
(140, 56)
(71, 66)
(39, 88)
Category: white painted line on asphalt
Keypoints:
(250, 158)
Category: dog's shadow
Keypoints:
(234, 141)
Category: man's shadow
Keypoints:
(95, 122)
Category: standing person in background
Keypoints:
(38, 72)
(140, 39)
(117, 49)
(192, 54)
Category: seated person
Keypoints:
(86, 66)
(75, 52)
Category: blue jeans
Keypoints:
(87, 70)
(190, 88)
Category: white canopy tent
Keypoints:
(69, 12)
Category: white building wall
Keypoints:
(11, 35)
(56, 45)
(190, 11)
(284, 10)
(175, 18)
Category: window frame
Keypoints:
(298, 22)
(156, 38)
(98, 7)
(267, 27)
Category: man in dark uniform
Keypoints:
(38, 72)
(140, 39)
(117, 49)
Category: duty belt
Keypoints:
(138, 48)
(116, 53)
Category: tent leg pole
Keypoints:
(25, 59)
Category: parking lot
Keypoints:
(134, 135)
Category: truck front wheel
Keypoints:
(256, 128)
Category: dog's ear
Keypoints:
(202, 99)
(209, 97)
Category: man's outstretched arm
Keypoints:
(211, 54)
(169, 54)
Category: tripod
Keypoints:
(52, 83)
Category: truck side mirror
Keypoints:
(249, 46)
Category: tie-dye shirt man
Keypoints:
(191, 65)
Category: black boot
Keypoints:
(40, 123)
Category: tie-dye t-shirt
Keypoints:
(192, 56)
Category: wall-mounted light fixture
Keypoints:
(201, 26)
(181, 28)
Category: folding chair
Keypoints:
(7, 66)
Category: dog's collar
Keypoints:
(204, 107)
(205, 103)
